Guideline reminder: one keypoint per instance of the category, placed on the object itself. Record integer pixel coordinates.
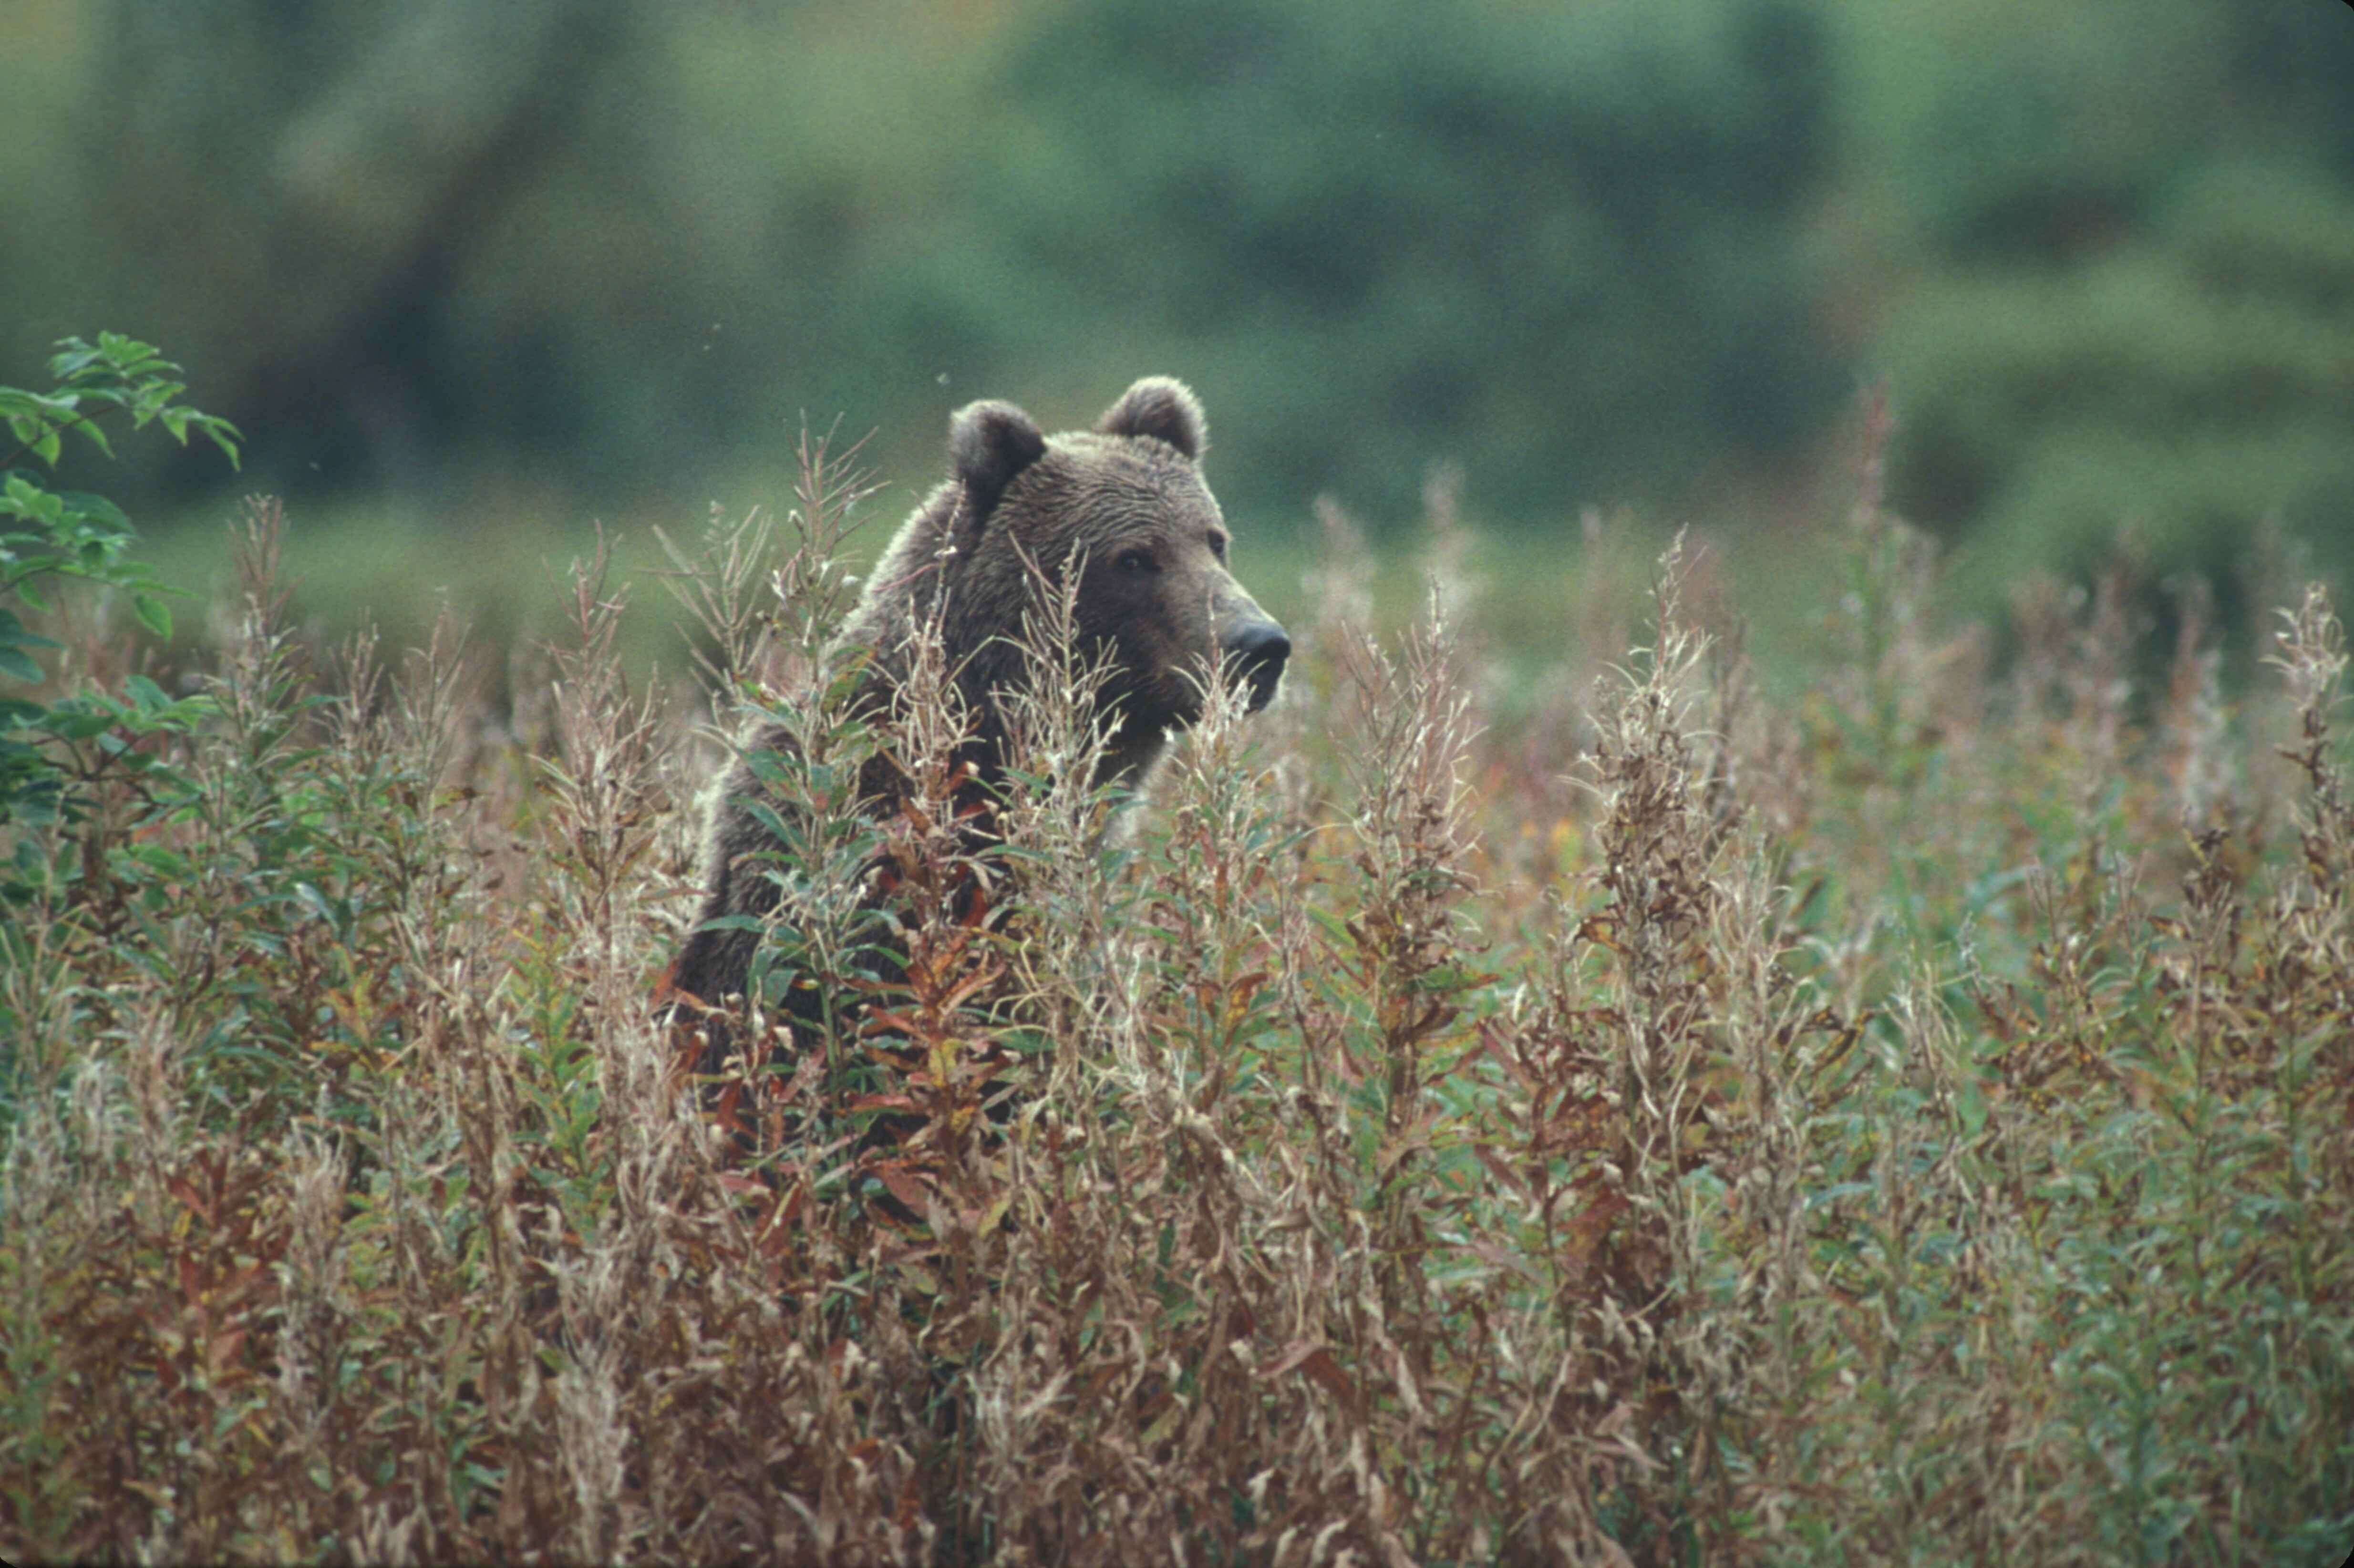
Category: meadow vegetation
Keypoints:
(1654, 1122)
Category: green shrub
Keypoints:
(48, 535)
(1563, 249)
(2188, 388)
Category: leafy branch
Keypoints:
(51, 534)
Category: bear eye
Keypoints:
(1137, 563)
(1218, 547)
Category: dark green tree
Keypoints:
(1563, 249)
(2138, 312)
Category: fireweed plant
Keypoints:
(1657, 1124)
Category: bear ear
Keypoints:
(1162, 409)
(991, 443)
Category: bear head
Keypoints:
(1124, 504)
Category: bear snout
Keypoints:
(1256, 651)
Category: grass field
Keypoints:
(1542, 1093)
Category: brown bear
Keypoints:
(1126, 503)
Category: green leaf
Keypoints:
(77, 723)
(154, 397)
(156, 858)
(1970, 1105)
(90, 428)
(33, 410)
(21, 498)
(318, 904)
(98, 509)
(127, 352)
(223, 435)
(74, 356)
(153, 614)
(16, 665)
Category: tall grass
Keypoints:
(1912, 1124)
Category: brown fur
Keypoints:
(1128, 499)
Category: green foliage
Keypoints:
(2131, 301)
(48, 535)
(1562, 248)
(2188, 387)
(1568, 250)
(2016, 132)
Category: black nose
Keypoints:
(1256, 651)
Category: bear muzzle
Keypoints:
(1255, 650)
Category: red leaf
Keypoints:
(1502, 1171)
(1317, 1361)
(902, 1184)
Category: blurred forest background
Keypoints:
(471, 277)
